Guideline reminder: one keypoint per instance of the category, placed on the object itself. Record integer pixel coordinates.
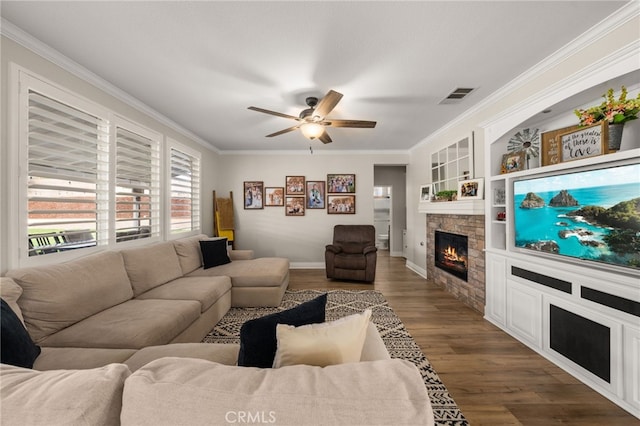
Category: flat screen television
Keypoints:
(591, 215)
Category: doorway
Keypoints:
(382, 215)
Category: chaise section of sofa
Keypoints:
(257, 282)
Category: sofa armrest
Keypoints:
(241, 254)
(334, 248)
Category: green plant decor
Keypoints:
(615, 111)
(446, 195)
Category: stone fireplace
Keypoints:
(471, 290)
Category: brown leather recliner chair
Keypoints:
(353, 254)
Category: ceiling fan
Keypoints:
(313, 120)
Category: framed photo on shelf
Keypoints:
(341, 183)
(587, 141)
(294, 206)
(253, 195)
(294, 185)
(316, 194)
(513, 162)
(426, 191)
(499, 197)
(341, 204)
(471, 189)
(274, 196)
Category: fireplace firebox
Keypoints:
(451, 253)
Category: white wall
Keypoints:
(301, 238)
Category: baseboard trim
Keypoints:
(306, 265)
(418, 270)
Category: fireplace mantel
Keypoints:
(470, 207)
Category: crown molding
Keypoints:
(40, 48)
(626, 13)
(316, 153)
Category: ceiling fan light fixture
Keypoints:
(311, 130)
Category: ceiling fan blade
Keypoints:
(324, 137)
(278, 114)
(363, 124)
(281, 132)
(327, 104)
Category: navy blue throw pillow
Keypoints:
(214, 252)
(15, 343)
(258, 342)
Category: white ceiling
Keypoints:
(202, 63)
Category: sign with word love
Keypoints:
(589, 141)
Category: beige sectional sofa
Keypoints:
(104, 307)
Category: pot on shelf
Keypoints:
(615, 136)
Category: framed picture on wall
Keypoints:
(315, 194)
(294, 206)
(294, 185)
(338, 183)
(341, 204)
(274, 196)
(253, 195)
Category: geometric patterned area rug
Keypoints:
(341, 303)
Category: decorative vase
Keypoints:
(615, 136)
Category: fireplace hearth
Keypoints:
(451, 253)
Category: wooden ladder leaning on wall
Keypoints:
(223, 224)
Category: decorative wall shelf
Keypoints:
(464, 207)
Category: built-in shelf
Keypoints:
(464, 207)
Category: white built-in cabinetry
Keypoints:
(518, 303)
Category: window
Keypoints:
(137, 186)
(185, 190)
(88, 179)
(67, 174)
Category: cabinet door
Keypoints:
(524, 313)
(632, 368)
(496, 278)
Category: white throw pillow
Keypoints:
(323, 344)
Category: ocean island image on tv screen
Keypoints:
(592, 215)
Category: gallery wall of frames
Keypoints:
(336, 195)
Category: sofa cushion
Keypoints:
(189, 254)
(16, 346)
(327, 343)
(206, 290)
(151, 266)
(57, 296)
(214, 253)
(133, 324)
(261, 272)
(389, 392)
(258, 336)
(221, 353)
(11, 292)
(69, 397)
(79, 358)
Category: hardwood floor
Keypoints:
(494, 379)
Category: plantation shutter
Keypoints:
(137, 186)
(67, 193)
(185, 191)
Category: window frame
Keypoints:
(196, 225)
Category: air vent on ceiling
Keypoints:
(457, 95)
